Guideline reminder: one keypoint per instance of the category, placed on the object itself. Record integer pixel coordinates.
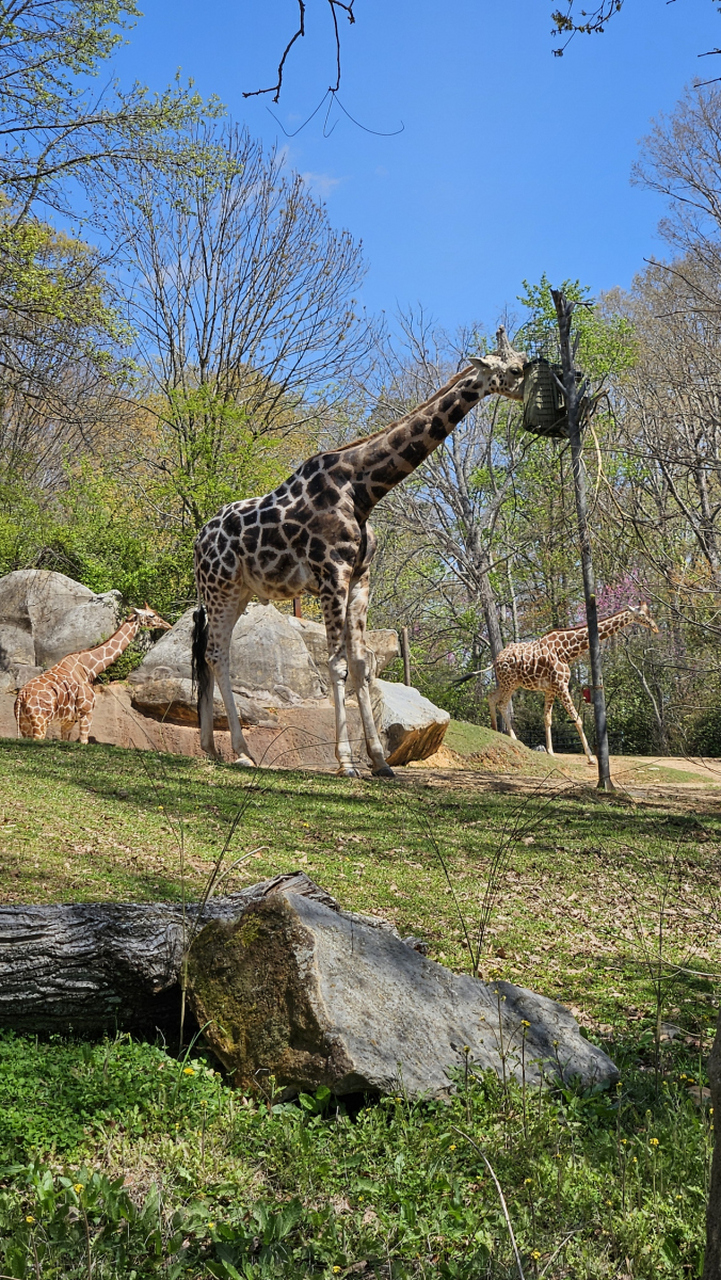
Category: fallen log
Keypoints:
(285, 985)
(92, 967)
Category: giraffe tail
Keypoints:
(200, 673)
(482, 671)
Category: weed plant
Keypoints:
(117, 1160)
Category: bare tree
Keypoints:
(241, 293)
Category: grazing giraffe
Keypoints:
(65, 692)
(311, 534)
(545, 664)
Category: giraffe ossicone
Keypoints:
(311, 534)
(65, 691)
(545, 664)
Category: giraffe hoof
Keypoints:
(347, 771)
(245, 762)
(385, 771)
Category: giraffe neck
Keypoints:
(385, 459)
(98, 659)
(576, 642)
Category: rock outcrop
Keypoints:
(297, 990)
(411, 727)
(44, 616)
(279, 673)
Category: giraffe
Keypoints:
(312, 534)
(545, 664)
(65, 692)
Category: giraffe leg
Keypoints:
(84, 708)
(493, 697)
(359, 662)
(503, 704)
(547, 718)
(568, 706)
(334, 602)
(32, 723)
(222, 617)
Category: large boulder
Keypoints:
(266, 653)
(383, 644)
(278, 665)
(410, 726)
(173, 698)
(44, 616)
(297, 990)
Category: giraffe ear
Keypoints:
(479, 364)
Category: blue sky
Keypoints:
(511, 162)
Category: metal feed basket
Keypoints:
(544, 404)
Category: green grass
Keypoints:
(127, 1163)
(583, 883)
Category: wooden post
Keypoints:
(574, 408)
(297, 608)
(406, 651)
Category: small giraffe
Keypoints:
(65, 692)
(311, 534)
(545, 664)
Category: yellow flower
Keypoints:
(452, 1147)
(160, 807)
(29, 1219)
(527, 1183)
(78, 1186)
(210, 1226)
(624, 1141)
(526, 1023)
(535, 1254)
(653, 1142)
(336, 1270)
(188, 1071)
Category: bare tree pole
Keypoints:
(576, 410)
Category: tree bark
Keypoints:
(93, 967)
(564, 311)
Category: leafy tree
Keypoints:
(56, 123)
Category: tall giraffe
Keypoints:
(545, 664)
(311, 534)
(65, 692)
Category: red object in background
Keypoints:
(586, 693)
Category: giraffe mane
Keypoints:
(437, 395)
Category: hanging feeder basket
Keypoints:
(544, 404)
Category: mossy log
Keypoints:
(92, 967)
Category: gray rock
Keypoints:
(16, 648)
(44, 616)
(312, 996)
(410, 726)
(173, 698)
(265, 653)
(384, 646)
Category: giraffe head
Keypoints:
(149, 619)
(501, 371)
(642, 615)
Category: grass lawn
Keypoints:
(608, 903)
